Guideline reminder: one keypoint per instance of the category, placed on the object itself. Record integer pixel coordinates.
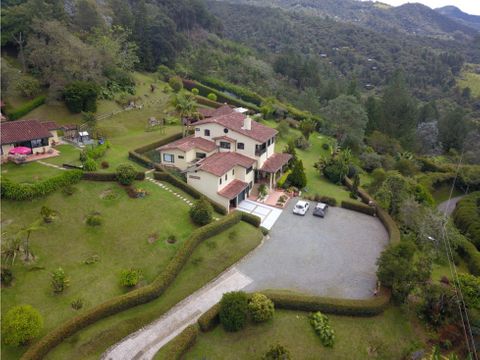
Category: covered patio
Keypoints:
(235, 192)
(272, 169)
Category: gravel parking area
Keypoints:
(334, 256)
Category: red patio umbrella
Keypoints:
(20, 150)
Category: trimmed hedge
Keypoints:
(140, 159)
(16, 191)
(366, 198)
(176, 348)
(136, 297)
(428, 165)
(390, 225)
(26, 108)
(297, 301)
(166, 176)
(251, 219)
(466, 217)
(207, 102)
(210, 318)
(95, 176)
(156, 144)
(241, 92)
(471, 255)
(359, 207)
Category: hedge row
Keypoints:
(16, 191)
(241, 92)
(26, 108)
(177, 347)
(466, 217)
(330, 201)
(366, 198)
(359, 207)
(210, 318)
(163, 175)
(471, 255)
(135, 297)
(297, 301)
(95, 176)
(207, 102)
(221, 97)
(251, 219)
(156, 144)
(140, 159)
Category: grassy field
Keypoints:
(28, 172)
(209, 259)
(316, 183)
(469, 78)
(133, 235)
(387, 336)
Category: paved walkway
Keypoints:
(146, 342)
(448, 206)
(268, 214)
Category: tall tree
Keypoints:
(87, 16)
(453, 129)
(374, 114)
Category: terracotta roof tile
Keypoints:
(226, 138)
(233, 189)
(23, 130)
(190, 142)
(235, 121)
(51, 125)
(219, 163)
(222, 110)
(275, 162)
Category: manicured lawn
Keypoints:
(316, 183)
(209, 259)
(387, 336)
(133, 235)
(28, 172)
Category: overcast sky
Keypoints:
(468, 6)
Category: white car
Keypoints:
(301, 207)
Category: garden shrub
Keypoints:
(94, 219)
(277, 352)
(28, 87)
(26, 107)
(105, 165)
(175, 181)
(260, 308)
(21, 324)
(96, 176)
(81, 96)
(164, 72)
(25, 191)
(177, 347)
(195, 91)
(47, 214)
(466, 217)
(98, 151)
(297, 177)
(208, 320)
(371, 161)
(359, 207)
(212, 96)
(77, 304)
(233, 310)
(282, 181)
(469, 252)
(321, 325)
(135, 297)
(126, 174)
(129, 277)
(325, 146)
(335, 170)
(470, 286)
(6, 275)
(175, 83)
(301, 142)
(251, 219)
(89, 165)
(59, 280)
(201, 212)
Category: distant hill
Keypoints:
(413, 19)
(455, 13)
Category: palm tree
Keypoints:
(186, 106)
(11, 247)
(27, 231)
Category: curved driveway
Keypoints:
(334, 256)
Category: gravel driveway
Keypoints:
(334, 256)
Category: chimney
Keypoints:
(247, 123)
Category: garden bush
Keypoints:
(96, 176)
(195, 91)
(251, 219)
(81, 96)
(297, 177)
(212, 97)
(175, 83)
(47, 214)
(260, 308)
(98, 151)
(105, 165)
(325, 146)
(201, 212)
(89, 165)
(25, 108)
(233, 310)
(21, 324)
(321, 325)
(6, 275)
(277, 352)
(28, 87)
(129, 277)
(77, 304)
(466, 217)
(359, 207)
(135, 297)
(94, 219)
(59, 280)
(210, 318)
(25, 191)
(470, 254)
(126, 174)
(177, 347)
(470, 286)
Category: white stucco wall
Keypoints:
(207, 184)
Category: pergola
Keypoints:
(273, 167)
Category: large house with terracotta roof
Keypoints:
(226, 155)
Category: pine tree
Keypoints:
(297, 177)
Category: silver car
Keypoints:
(320, 210)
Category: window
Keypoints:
(220, 181)
(197, 129)
(169, 158)
(36, 143)
(233, 171)
(224, 145)
(200, 155)
(206, 132)
(269, 142)
(240, 146)
(226, 177)
(181, 157)
(249, 169)
(225, 131)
